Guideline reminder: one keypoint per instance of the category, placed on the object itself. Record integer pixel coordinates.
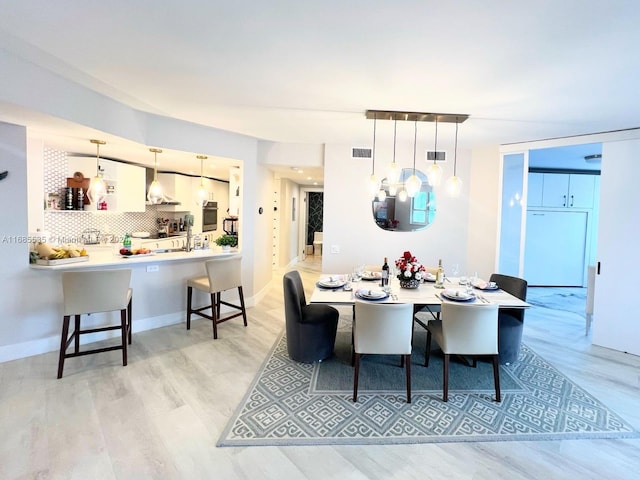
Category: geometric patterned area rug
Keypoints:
(291, 403)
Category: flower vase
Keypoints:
(226, 248)
(409, 283)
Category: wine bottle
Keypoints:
(440, 275)
(385, 273)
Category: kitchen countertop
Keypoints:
(106, 256)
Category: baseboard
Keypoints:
(52, 343)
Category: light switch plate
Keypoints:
(335, 248)
(152, 268)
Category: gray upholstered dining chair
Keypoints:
(95, 291)
(311, 328)
(510, 320)
(384, 329)
(223, 273)
(469, 330)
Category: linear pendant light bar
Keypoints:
(416, 116)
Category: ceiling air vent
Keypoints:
(439, 156)
(360, 153)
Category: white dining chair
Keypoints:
(94, 291)
(469, 330)
(384, 329)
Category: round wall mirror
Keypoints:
(398, 212)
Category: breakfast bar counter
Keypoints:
(100, 257)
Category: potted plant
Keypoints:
(227, 241)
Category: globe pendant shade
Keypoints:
(454, 186)
(413, 185)
(434, 174)
(202, 196)
(374, 184)
(97, 190)
(402, 195)
(155, 195)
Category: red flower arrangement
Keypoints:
(409, 268)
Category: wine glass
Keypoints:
(455, 270)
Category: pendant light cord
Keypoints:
(455, 150)
(435, 144)
(415, 139)
(395, 125)
(373, 152)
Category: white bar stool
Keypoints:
(95, 291)
(224, 273)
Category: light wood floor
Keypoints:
(160, 416)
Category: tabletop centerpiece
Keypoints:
(410, 271)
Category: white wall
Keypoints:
(349, 225)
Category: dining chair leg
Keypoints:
(244, 311)
(408, 369)
(189, 298)
(401, 361)
(63, 344)
(428, 349)
(496, 377)
(123, 327)
(215, 312)
(218, 302)
(445, 378)
(356, 373)
(76, 343)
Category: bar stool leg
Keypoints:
(77, 334)
(189, 297)
(123, 327)
(244, 311)
(63, 344)
(129, 319)
(215, 312)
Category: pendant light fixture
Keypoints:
(97, 188)
(155, 195)
(434, 172)
(393, 176)
(454, 184)
(202, 195)
(413, 183)
(374, 181)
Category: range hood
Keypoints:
(149, 179)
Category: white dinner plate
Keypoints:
(429, 277)
(368, 276)
(331, 282)
(482, 285)
(366, 294)
(457, 295)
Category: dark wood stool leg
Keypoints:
(76, 343)
(214, 314)
(244, 311)
(130, 319)
(63, 344)
(218, 304)
(189, 297)
(123, 327)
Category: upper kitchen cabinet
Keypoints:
(125, 183)
(177, 188)
(561, 190)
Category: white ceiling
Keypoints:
(305, 72)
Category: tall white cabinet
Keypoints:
(560, 228)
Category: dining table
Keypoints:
(339, 289)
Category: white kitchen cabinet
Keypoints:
(555, 248)
(177, 188)
(126, 183)
(564, 190)
(534, 189)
